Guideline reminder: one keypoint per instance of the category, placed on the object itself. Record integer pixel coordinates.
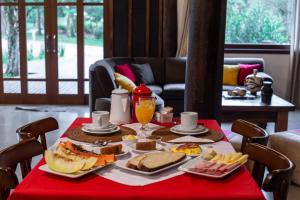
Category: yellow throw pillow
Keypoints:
(230, 74)
(124, 82)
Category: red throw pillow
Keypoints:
(245, 70)
(125, 70)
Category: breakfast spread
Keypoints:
(146, 145)
(187, 148)
(112, 149)
(154, 161)
(219, 164)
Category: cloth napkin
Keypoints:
(189, 138)
(137, 127)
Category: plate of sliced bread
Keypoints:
(153, 163)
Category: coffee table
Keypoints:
(255, 111)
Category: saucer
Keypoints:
(179, 132)
(93, 127)
(179, 127)
(100, 132)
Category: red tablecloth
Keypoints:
(39, 185)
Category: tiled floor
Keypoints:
(11, 119)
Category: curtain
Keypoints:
(182, 27)
(294, 84)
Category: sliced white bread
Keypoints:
(133, 163)
(155, 161)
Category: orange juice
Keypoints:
(144, 110)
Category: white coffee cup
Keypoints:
(188, 120)
(100, 118)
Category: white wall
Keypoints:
(277, 66)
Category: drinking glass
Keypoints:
(144, 110)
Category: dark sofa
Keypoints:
(169, 75)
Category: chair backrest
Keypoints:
(10, 157)
(251, 133)
(38, 129)
(280, 169)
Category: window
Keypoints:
(259, 24)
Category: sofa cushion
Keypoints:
(157, 65)
(103, 104)
(230, 74)
(143, 73)
(173, 91)
(125, 70)
(175, 70)
(124, 82)
(245, 70)
(236, 61)
(157, 89)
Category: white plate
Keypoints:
(158, 148)
(185, 167)
(122, 165)
(188, 133)
(199, 128)
(92, 127)
(45, 168)
(100, 132)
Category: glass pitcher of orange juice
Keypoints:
(144, 110)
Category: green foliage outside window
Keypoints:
(258, 21)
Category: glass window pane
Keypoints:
(64, 1)
(7, 1)
(67, 42)
(86, 87)
(67, 87)
(12, 86)
(35, 41)
(93, 36)
(93, 1)
(10, 41)
(29, 1)
(36, 87)
(257, 22)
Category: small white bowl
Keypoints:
(129, 142)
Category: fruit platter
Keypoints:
(71, 160)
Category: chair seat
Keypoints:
(288, 143)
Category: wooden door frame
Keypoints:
(51, 59)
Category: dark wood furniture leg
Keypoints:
(281, 121)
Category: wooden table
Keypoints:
(257, 112)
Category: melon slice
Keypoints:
(62, 164)
(89, 163)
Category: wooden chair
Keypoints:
(38, 129)
(8, 181)
(279, 166)
(10, 157)
(251, 133)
